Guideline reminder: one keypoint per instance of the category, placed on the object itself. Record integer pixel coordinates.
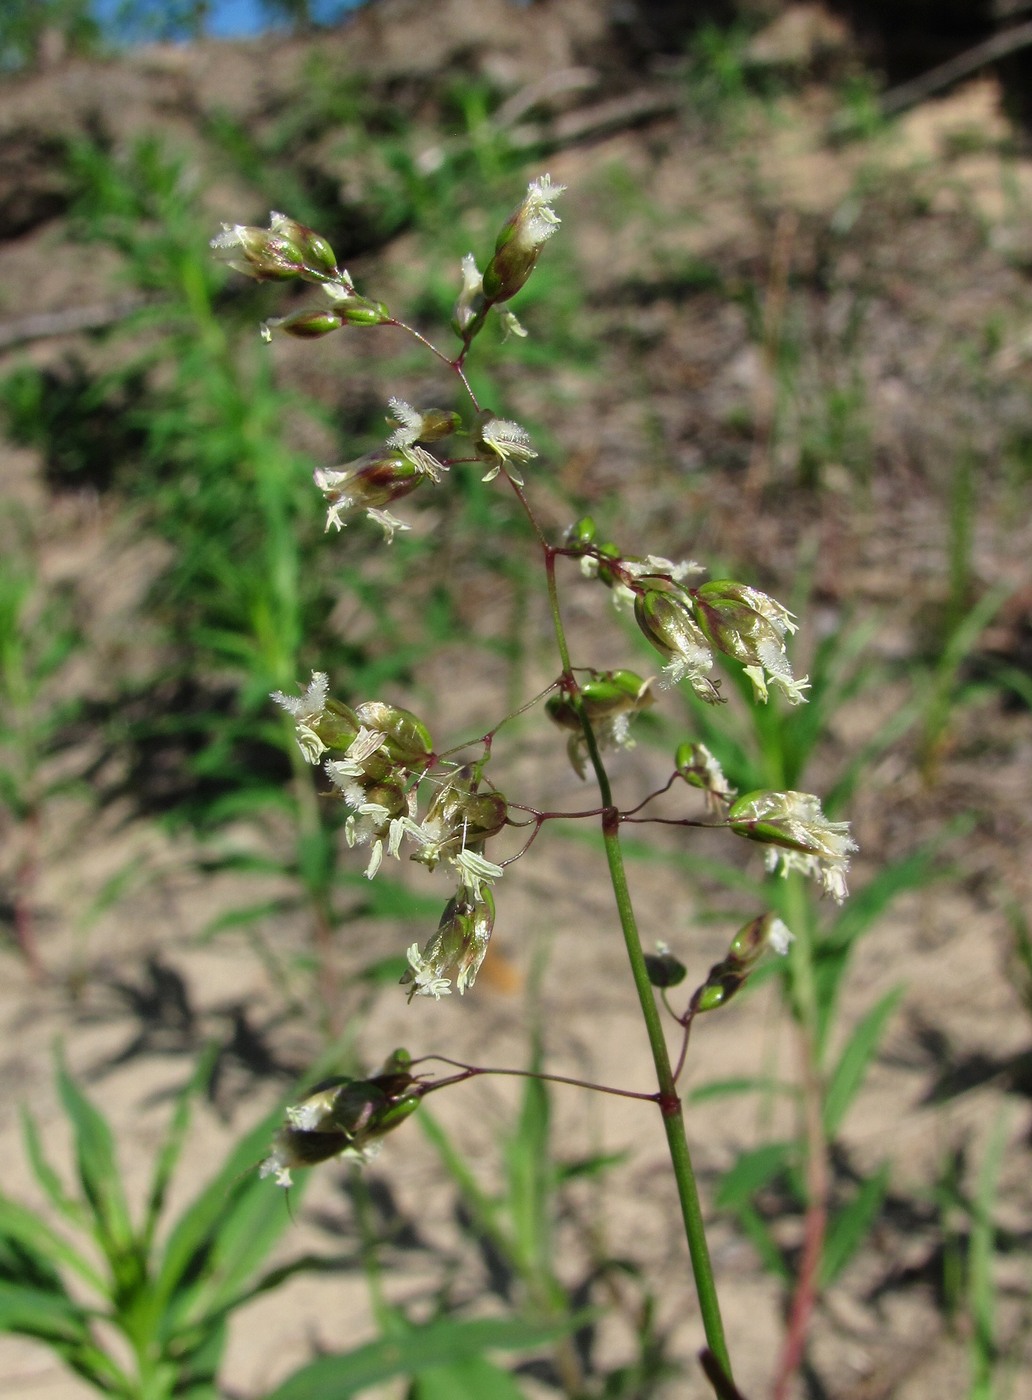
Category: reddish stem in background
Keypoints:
(686, 1022)
(814, 1227)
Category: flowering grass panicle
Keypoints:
(401, 797)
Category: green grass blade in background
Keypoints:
(982, 1292)
(760, 1236)
(867, 905)
(856, 918)
(483, 1209)
(177, 1283)
(31, 1233)
(67, 1206)
(171, 1148)
(722, 1088)
(854, 1061)
(474, 1379)
(100, 1179)
(754, 1170)
(52, 1318)
(445, 1342)
(255, 1215)
(850, 1226)
(529, 1174)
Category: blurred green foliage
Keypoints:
(26, 26)
(169, 1300)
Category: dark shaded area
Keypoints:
(943, 1225)
(899, 39)
(390, 1223)
(165, 1024)
(906, 37)
(86, 426)
(1004, 655)
(276, 164)
(178, 747)
(956, 1071)
(903, 39)
(33, 187)
(650, 27)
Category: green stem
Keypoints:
(670, 1105)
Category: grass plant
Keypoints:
(213, 458)
(39, 636)
(150, 1322)
(168, 1300)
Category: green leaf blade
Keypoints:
(446, 1342)
(29, 1231)
(98, 1173)
(855, 1060)
(851, 1225)
(475, 1379)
